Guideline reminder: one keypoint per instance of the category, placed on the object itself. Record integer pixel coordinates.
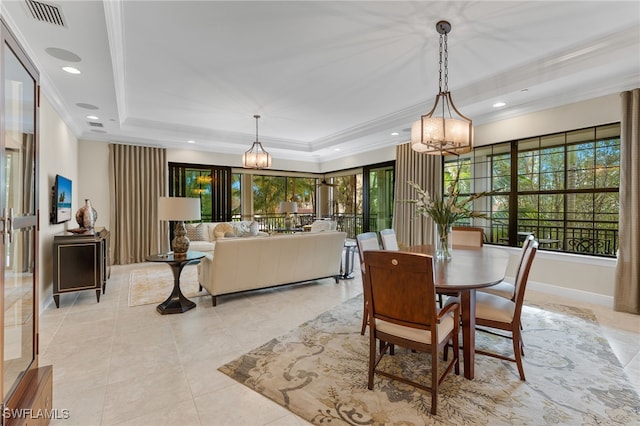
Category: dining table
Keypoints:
(469, 269)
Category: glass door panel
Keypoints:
(18, 202)
(381, 181)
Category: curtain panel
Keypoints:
(627, 285)
(426, 171)
(137, 178)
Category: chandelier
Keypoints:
(440, 131)
(256, 157)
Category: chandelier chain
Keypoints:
(446, 62)
(256, 117)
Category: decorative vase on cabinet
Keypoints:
(86, 215)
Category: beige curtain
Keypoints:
(627, 290)
(426, 171)
(137, 178)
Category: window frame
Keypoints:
(596, 237)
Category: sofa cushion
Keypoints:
(196, 231)
(205, 246)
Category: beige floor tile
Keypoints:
(145, 394)
(233, 406)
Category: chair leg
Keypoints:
(434, 382)
(365, 318)
(517, 350)
(372, 361)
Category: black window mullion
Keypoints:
(513, 196)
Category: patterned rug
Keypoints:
(319, 372)
(152, 285)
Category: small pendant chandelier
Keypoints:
(440, 131)
(256, 157)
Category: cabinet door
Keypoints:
(18, 201)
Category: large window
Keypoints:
(346, 198)
(359, 200)
(270, 191)
(212, 184)
(562, 188)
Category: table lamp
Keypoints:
(288, 207)
(179, 209)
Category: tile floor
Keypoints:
(116, 365)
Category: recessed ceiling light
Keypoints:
(499, 104)
(71, 70)
(337, 149)
(191, 141)
(395, 134)
(92, 117)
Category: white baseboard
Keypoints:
(570, 293)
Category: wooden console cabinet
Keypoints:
(80, 262)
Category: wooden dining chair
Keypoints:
(498, 313)
(467, 236)
(365, 241)
(506, 288)
(403, 312)
(389, 240)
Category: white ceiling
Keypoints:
(329, 78)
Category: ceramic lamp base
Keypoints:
(180, 243)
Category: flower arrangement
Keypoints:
(446, 211)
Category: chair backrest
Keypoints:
(400, 288)
(467, 236)
(389, 240)
(523, 276)
(366, 241)
(525, 245)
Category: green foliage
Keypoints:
(446, 211)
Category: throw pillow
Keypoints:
(222, 229)
(245, 228)
(253, 228)
(195, 231)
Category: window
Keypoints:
(562, 188)
(212, 184)
(379, 191)
(346, 203)
(358, 200)
(270, 191)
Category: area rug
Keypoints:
(319, 372)
(154, 284)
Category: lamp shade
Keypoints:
(178, 208)
(288, 207)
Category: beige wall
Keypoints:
(93, 178)
(587, 278)
(58, 155)
(593, 112)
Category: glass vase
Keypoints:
(443, 242)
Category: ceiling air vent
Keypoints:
(94, 124)
(45, 12)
